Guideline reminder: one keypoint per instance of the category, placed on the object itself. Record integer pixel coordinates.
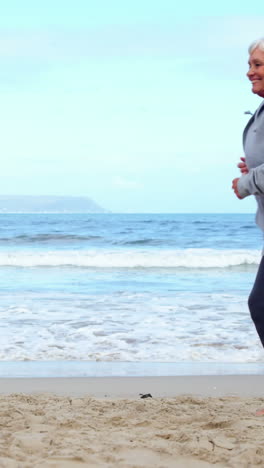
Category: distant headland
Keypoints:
(48, 204)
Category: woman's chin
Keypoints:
(257, 90)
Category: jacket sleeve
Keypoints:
(252, 183)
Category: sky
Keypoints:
(138, 104)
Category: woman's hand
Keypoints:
(234, 187)
(242, 166)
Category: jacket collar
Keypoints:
(259, 110)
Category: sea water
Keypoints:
(128, 287)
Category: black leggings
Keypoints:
(256, 302)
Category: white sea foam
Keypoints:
(129, 327)
(188, 258)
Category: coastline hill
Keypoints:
(48, 204)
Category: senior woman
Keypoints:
(252, 168)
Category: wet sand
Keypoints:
(130, 387)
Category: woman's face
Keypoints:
(256, 71)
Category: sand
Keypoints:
(190, 422)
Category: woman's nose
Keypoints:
(250, 72)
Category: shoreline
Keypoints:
(85, 369)
(131, 387)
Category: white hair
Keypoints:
(257, 44)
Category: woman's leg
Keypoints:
(256, 302)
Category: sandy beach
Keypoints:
(103, 422)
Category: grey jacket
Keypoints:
(253, 182)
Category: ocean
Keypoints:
(128, 287)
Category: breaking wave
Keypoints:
(188, 258)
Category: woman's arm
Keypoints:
(243, 166)
(244, 170)
(251, 183)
